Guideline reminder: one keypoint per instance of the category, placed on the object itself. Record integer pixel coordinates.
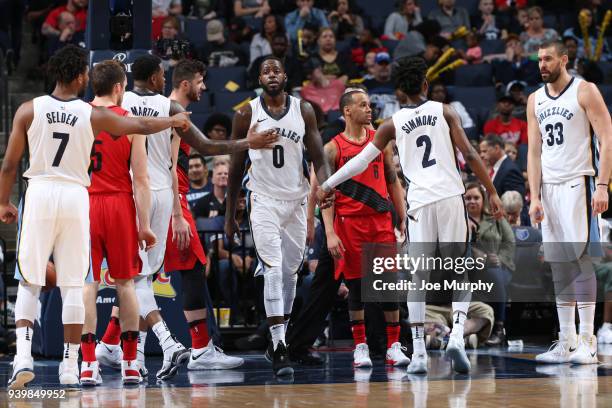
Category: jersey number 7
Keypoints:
(64, 137)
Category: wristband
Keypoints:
(602, 184)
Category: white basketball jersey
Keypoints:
(426, 154)
(281, 172)
(159, 149)
(60, 140)
(568, 146)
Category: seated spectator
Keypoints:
(581, 67)
(381, 88)
(366, 43)
(509, 128)
(261, 44)
(308, 46)
(346, 25)
(438, 92)
(415, 42)
(473, 55)
(198, 179)
(218, 52)
(495, 241)
(515, 64)
(78, 8)
(206, 10)
(593, 32)
(218, 126)
(69, 35)
(253, 8)
(239, 31)
(484, 21)
(516, 90)
(212, 204)
(335, 65)
(450, 17)
(170, 46)
(236, 258)
(406, 18)
(513, 206)
(161, 10)
(536, 33)
(504, 173)
(511, 150)
(304, 14)
(293, 68)
(320, 89)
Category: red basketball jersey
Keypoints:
(110, 162)
(182, 167)
(365, 193)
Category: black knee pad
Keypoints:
(194, 285)
(354, 296)
(389, 306)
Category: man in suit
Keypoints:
(505, 173)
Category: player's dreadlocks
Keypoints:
(409, 74)
(67, 64)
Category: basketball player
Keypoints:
(185, 254)
(114, 232)
(59, 131)
(146, 99)
(566, 198)
(427, 133)
(362, 215)
(278, 186)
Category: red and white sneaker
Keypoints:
(90, 373)
(129, 372)
(396, 356)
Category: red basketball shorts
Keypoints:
(357, 230)
(114, 235)
(176, 260)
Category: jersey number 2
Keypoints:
(551, 137)
(425, 140)
(63, 137)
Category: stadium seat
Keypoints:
(199, 119)
(470, 5)
(606, 92)
(521, 157)
(218, 77)
(377, 11)
(390, 45)
(474, 97)
(225, 101)
(333, 115)
(492, 47)
(474, 75)
(201, 106)
(168, 77)
(195, 31)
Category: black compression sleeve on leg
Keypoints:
(193, 286)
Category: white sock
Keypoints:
(567, 318)
(24, 342)
(606, 326)
(278, 334)
(142, 338)
(458, 322)
(163, 335)
(71, 353)
(586, 314)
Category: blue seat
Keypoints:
(218, 77)
(521, 157)
(492, 47)
(474, 75)
(195, 31)
(201, 106)
(225, 102)
(377, 11)
(470, 5)
(390, 45)
(199, 119)
(606, 92)
(333, 115)
(474, 97)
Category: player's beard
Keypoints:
(277, 91)
(192, 95)
(553, 75)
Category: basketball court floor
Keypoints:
(499, 378)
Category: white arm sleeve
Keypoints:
(353, 167)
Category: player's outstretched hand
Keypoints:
(261, 140)
(8, 213)
(536, 211)
(600, 199)
(181, 121)
(325, 199)
(146, 239)
(335, 245)
(497, 209)
(181, 233)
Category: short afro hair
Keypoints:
(67, 64)
(273, 58)
(218, 119)
(409, 74)
(186, 70)
(145, 67)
